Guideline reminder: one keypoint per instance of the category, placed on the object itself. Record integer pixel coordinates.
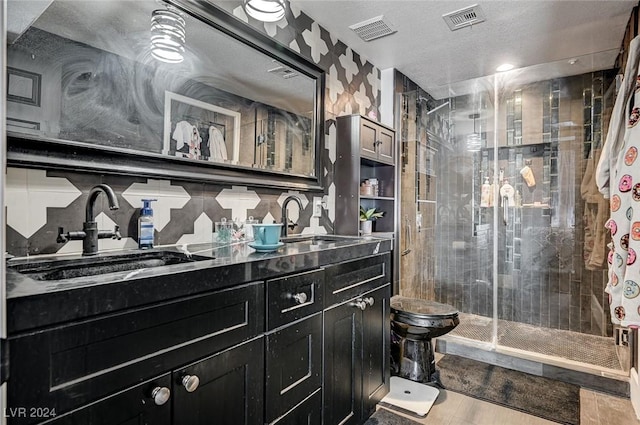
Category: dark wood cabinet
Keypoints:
(310, 347)
(309, 412)
(67, 367)
(366, 151)
(377, 142)
(356, 342)
(375, 349)
(134, 406)
(229, 390)
(294, 346)
(294, 365)
(342, 365)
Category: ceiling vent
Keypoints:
(372, 28)
(282, 71)
(466, 17)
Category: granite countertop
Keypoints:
(36, 303)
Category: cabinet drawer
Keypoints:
(293, 365)
(309, 412)
(132, 406)
(293, 297)
(351, 278)
(70, 366)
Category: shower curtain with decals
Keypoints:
(618, 177)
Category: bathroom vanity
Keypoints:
(225, 335)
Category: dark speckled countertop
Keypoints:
(35, 304)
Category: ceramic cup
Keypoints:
(266, 234)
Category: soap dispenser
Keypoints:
(145, 225)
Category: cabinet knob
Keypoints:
(190, 382)
(359, 303)
(300, 298)
(160, 395)
(369, 301)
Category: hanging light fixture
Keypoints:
(168, 35)
(265, 10)
(474, 140)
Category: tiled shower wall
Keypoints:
(543, 278)
(39, 201)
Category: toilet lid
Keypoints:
(423, 309)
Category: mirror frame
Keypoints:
(33, 151)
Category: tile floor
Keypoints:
(457, 409)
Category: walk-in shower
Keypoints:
(511, 232)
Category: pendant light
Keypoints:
(265, 10)
(474, 140)
(168, 35)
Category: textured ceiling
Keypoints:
(537, 36)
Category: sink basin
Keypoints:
(48, 269)
(316, 239)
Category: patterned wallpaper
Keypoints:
(38, 201)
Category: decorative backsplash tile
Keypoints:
(166, 195)
(39, 201)
(30, 193)
(239, 200)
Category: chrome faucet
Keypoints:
(285, 218)
(90, 233)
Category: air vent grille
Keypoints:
(466, 17)
(372, 29)
(282, 71)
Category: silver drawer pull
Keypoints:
(363, 303)
(300, 297)
(160, 395)
(190, 382)
(359, 303)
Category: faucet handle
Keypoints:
(62, 237)
(116, 232)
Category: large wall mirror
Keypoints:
(85, 91)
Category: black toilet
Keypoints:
(414, 323)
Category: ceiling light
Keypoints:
(505, 67)
(265, 10)
(168, 35)
(474, 140)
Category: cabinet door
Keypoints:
(342, 365)
(230, 391)
(66, 367)
(134, 406)
(368, 140)
(385, 145)
(293, 365)
(375, 349)
(309, 412)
